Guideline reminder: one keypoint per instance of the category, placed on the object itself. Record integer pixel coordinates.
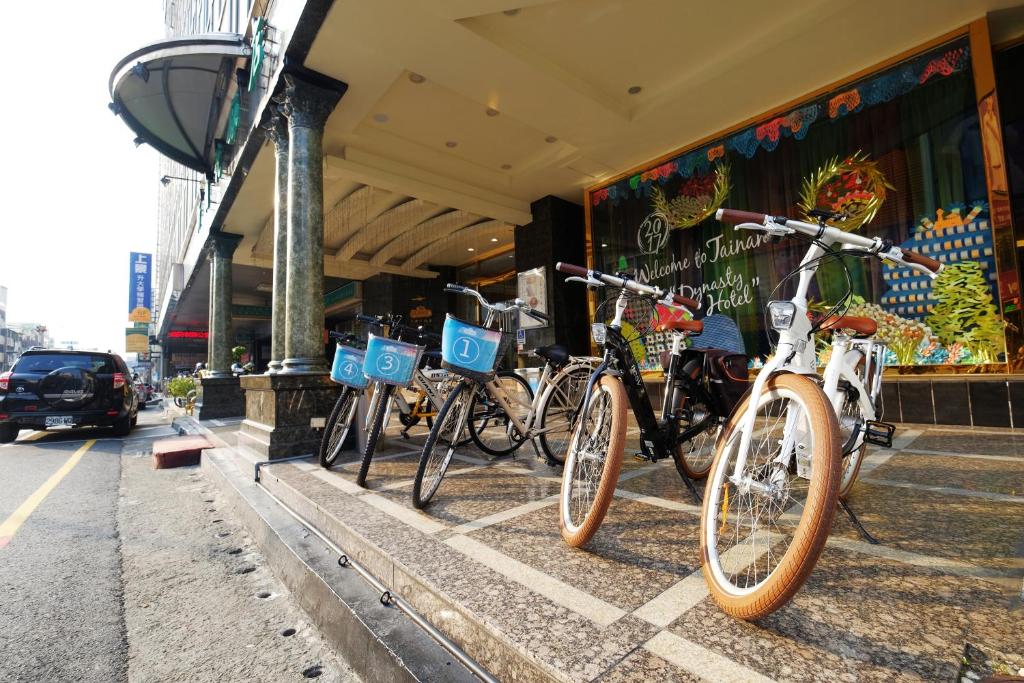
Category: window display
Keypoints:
(899, 152)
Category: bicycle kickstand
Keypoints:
(405, 432)
(856, 523)
(693, 490)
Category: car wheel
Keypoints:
(8, 433)
(123, 426)
(134, 420)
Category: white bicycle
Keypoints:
(774, 484)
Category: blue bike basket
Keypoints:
(348, 367)
(390, 361)
(470, 350)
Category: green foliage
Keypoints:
(237, 353)
(965, 311)
(180, 386)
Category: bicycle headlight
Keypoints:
(782, 314)
(597, 331)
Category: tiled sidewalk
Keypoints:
(485, 563)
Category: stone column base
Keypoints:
(278, 412)
(219, 397)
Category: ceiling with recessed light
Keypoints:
(460, 113)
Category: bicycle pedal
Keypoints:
(879, 433)
(642, 457)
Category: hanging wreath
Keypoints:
(854, 187)
(698, 198)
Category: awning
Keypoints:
(171, 93)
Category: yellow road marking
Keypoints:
(14, 522)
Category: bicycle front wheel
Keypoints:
(338, 424)
(593, 462)
(490, 426)
(557, 412)
(373, 434)
(762, 530)
(441, 444)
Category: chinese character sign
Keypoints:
(140, 307)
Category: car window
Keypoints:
(45, 363)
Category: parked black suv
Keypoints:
(49, 388)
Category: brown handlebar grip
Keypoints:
(571, 269)
(683, 301)
(734, 216)
(921, 260)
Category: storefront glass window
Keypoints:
(903, 144)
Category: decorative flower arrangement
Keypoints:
(965, 312)
(698, 198)
(853, 186)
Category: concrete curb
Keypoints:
(381, 643)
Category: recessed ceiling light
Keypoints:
(491, 111)
(634, 89)
(603, 244)
(511, 255)
(511, 12)
(506, 167)
(551, 138)
(494, 239)
(380, 117)
(470, 249)
(451, 143)
(415, 77)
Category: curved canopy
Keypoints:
(171, 93)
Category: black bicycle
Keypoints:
(692, 410)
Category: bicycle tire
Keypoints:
(581, 373)
(780, 584)
(451, 410)
(502, 421)
(693, 457)
(338, 425)
(374, 433)
(608, 396)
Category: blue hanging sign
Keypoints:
(140, 292)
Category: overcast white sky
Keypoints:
(77, 195)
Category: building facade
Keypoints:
(356, 157)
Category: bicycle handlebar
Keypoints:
(781, 226)
(499, 307)
(597, 278)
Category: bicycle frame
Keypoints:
(795, 350)
(656, 437)
(527, 428)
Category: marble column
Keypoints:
(221, 337)
(307, 107)
(277, 131)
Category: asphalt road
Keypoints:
(113, 571)
(60, 571)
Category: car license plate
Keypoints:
(57, 420)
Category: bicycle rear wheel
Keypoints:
(593, 463)
(557, 412)
(441, 444)
(760, 536)
(377, 421)
(490, 427)
(693, 457)
(338, 425)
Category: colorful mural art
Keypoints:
(899, 153)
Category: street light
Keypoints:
(166, 180)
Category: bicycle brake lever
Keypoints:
(774, 229)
